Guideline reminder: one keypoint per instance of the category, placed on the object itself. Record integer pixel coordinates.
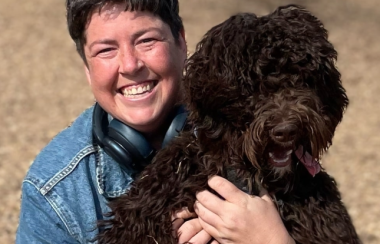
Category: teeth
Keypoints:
(283, 160)
(137, 90)
(280, 160)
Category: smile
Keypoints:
(138, 90)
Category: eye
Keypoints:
(148, 40)
(105, 50)
(146, 44)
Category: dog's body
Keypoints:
(264, 99)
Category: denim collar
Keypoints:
(112, 180)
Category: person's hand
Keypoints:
(188, 229)
(240, 218)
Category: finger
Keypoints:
(175, 226)
(263, 192)
(226, 189)
(210, 201)
(214, 242)
(201, 237)
(188, 230)
(206, 215)
(210, 229)
(183, 213)
(265, 196)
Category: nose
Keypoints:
(285, 132)
(129, 62)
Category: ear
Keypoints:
(182, 40)
(87, 72)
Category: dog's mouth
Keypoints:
(281, 157)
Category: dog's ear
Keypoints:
(246, 57)
(218, 79)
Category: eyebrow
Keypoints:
(103, 41)
(143, 31)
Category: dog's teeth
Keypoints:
(287, 154)
(281, 160)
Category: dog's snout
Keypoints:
(285, 132)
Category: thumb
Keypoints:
(264, 194)
(226, 189)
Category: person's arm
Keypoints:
(38, 222)
(240, 218)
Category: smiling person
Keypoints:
(133, 53)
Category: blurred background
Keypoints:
(43, 89)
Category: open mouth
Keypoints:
(280, 156)
(138, 90)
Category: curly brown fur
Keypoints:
(262, 93)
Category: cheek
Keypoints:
(169, 60)
(168, 64)
(103, 74)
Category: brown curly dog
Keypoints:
(264, 98)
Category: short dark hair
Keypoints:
(79, 12)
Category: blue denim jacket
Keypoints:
(67, 188)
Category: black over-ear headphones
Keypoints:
(126, 145)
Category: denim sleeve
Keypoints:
(39, 223)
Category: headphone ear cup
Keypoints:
(118, 153)
(132, 142)
(112, 137)
(126, 145)
(177, 125)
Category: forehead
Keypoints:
(117, 13)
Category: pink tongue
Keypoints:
(311, 164)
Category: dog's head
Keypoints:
(273, 81)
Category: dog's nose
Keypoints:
(285, 132)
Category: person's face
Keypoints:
(134, 66)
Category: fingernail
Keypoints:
(195, 205)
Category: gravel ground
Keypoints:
(43, 89)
